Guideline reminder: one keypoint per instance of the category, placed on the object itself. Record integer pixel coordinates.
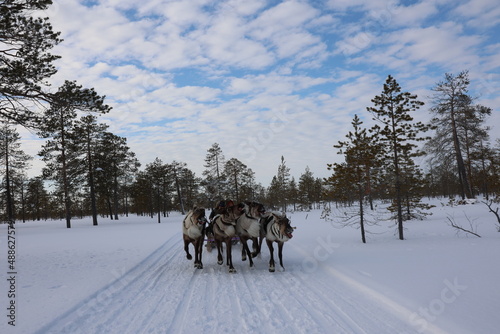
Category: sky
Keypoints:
(265, 79)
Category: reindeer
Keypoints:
(224, 230)
(248, 227)
(193, 231)
(276, 228)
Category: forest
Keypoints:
(90, 171)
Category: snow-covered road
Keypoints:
(132, 276)
(165, 294)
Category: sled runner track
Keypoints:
(183, 308)
(366, 310)
(353, 315)
(104, 306)
(265, 291)
(288, 296)
(323, 312)
(164, 293)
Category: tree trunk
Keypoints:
(67, 200)
(462, 174)
(92, 188)
(10, 204)
(361, 213)
(398, 183)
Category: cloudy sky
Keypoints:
(266, 79)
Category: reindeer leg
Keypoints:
(271, 251)
(261, 240)
(186, 249)
(255, 247)
(219, 252)
(280, 253)
(198, 251)
(243, 250)
(229, 255)
(246, 251)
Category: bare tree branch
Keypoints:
(460, 228)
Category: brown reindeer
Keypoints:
(248, 227)
(276, 228)
(224, 230)
(193, 231)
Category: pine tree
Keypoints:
(214, 164)
(282, 179)
(177, 169)
(362, 154)
(87, 135)
(398, 132)
(293, 193)
(114, 163)
(156, 174)
(15, 162)
(25, 61)
(58, 124)
(450, 102)
(37, 199)
(237, 176)
(306, 189)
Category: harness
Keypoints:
(215, 220)
(275, 230)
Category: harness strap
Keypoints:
(222, 220)
(250, 217)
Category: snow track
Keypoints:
(166, 294)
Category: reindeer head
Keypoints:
(232, 212)
(284, 225)
(199, 216)
(254, 209)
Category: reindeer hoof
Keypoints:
(189, 257)
(232, 270)
(243, 258)
(199, 266)
(271, 270)
(220, 262)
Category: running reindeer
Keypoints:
(248, 227)
(224, 230)
(276, 228)
(193, 231)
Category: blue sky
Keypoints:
(266, 78)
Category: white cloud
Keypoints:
(263, 78)
(412, 15)
(480, 13)
(272, 83)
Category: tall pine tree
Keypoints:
(25, 60)
(398, 133)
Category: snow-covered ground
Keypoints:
(132, 276)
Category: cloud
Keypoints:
(480, 13)
(264, 78)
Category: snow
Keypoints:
(132, 276)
